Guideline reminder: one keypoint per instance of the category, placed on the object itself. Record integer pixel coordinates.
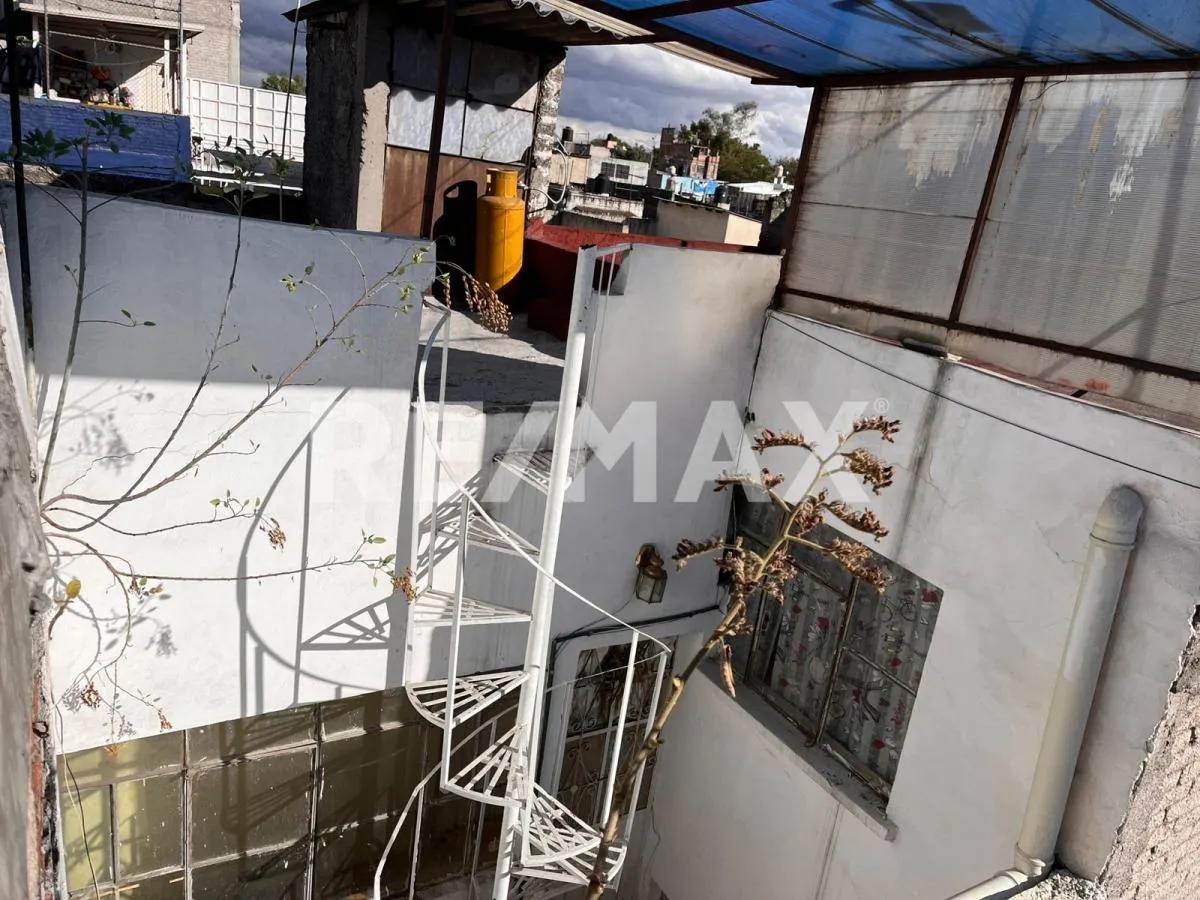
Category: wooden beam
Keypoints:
(434, 157)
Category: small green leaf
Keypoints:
(215, 501)
(148, 324)
(375, 539)
(127, 314)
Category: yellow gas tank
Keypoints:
(499, 230)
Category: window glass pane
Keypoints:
(150, 825)
(445, 835)
(157, 754)
(278, 875)
(868, 716)
(804, 649)
(582, 772)
(367, 712)
(249, 805)
(893, 629)
(159, 887)
(893, 186)
(1092, 235)
(371, 775)
(86, 833)
(242, 737)
(346, 860)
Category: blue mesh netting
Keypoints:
(830, 37)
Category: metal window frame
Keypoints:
(187, 770)
(816, 734)
(952, 320)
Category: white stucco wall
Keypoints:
(993, 505)
(326, 457)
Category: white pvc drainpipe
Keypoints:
(1112, 540)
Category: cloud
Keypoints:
(267, 40)
(632, 91)
(635, 90)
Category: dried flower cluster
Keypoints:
(855, 559)
(887, 428)
(808, 514)
(728, 480)
(858, 519)
(870, 468)
(404, 583)
(768, 438)
(274, 532)
(688, 549)
(493, 313)
(90, 697)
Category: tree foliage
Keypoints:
(278, 81)
(635, 152)
(729, 132)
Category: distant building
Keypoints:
(692, 160)
(702, 222)
(128, 54)
(577, 161)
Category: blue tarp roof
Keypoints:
(822, 39)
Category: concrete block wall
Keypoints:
(215, 53)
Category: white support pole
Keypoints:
(537, 647)
(455, 632)
(1113, 538)
(637, 782)
(437, 465)
(416, 856)
(611, 781)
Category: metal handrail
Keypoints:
(470, 504)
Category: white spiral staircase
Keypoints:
(545, 849)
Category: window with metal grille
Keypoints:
(592, 726)
(839, 659)
(614, 170)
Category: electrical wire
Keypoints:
(983, 412)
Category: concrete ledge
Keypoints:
(816, 763)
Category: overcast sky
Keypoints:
(631, 91)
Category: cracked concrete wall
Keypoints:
(1154, 856)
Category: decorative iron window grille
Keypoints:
(592, 723)
(839, 659)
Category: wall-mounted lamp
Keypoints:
(651, 576)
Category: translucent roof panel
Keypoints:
(828, 38)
